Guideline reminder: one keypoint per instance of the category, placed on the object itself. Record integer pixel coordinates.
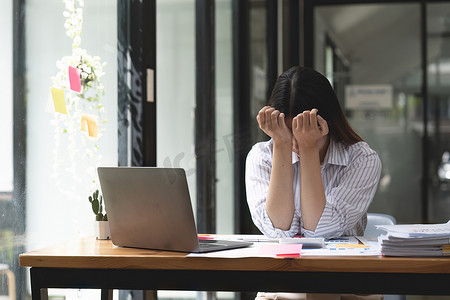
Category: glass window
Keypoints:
(175, 48)
(369, 46)
(224, 119)
(438, 43)
(176, 97)
(6, 103)
(62, 158)
(8, 248)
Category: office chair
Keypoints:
(374, 219)
(4, 269)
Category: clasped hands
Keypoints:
(304, 131)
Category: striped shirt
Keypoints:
(350, 177)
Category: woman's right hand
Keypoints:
(272, 122)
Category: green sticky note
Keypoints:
(58, 100)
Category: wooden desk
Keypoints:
(88, 263)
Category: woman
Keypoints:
(315, 176)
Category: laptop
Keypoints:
(151, 208)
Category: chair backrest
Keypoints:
(377, 219)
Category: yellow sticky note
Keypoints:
(83, 123)
(58, 100)
(89, 124)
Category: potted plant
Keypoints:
(101, 220)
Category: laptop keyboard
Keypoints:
(214, 245)
(208, 244)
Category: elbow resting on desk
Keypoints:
(280, 220)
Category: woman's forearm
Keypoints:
(280, 197)
(312, 193)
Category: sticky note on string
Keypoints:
(89, 124)
(75, 79)
(58, 100)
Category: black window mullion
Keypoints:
(241, 112)
(14, 216)
(149, 89)
(272, 44)
(19, 112)
(205, 133)
(308, 34)
(123, 85)
(424, 92)
(291, 33)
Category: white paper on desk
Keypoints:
(329, 250)
(372, 242)
(342, 240)
(410, 242)
(262, 249)
(342, 252)
(244, 237)
(417, 230)
(336, 247)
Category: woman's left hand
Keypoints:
(308, 127)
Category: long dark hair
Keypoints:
(299, 89)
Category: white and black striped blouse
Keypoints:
(350, 177)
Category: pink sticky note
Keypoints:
(280, 249)
(75, 79)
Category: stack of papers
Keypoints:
(415, 240)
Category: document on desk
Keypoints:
(258, 249)
(417, 230)
(345, 246)
(416, 240)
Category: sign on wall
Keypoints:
(369, 96)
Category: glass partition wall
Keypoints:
(438, 68)
(375, 56)
(224, 117)
(11, 216)
(62, 157)
(361, 49)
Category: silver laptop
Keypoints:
(151, 208)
